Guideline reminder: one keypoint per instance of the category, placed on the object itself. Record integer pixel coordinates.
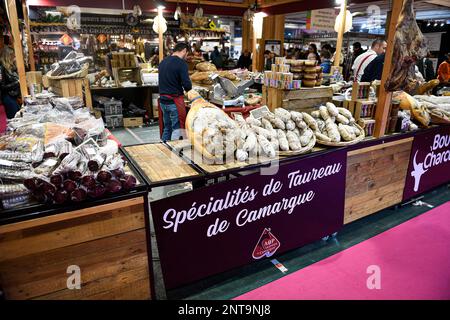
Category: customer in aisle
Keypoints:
(312, 53)
(357, 51)
(325, 57)
(444, 71)
(290, 53)
(173, 81)
(245, 60)
(374, 70)
(363, 60)
(425, 66)
(216, 58)
(9, 80)
(328, 47)
(269, 59)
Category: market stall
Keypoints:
(71, 203)
(270, 172)
(368, 176)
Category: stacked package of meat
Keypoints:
(56, 152)
(71, 64)
(217, 137)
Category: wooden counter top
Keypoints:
(159, 163)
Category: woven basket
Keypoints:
(79, 74)
(303, 150)
(345, 143)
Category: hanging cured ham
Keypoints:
(409, 46)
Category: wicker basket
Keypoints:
(79, 74)
(345, 143)
(303, 150)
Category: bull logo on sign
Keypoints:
(417, 172)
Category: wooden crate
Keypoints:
(304, 99)
(34, 77)
(123, 60)
(364, 109)
(375, 178)
(107, 242)
(123, 74)
(67, 87)
(360, 90)
(133, 122)
(349, 105)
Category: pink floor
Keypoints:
(413, 258)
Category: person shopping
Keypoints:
(363, 60)
(173, 81)
(9, 80)
(444, 71)
(312, 53)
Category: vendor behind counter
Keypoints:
(173, 81)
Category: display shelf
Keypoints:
(203, 29)
(156, 162)
(47, 24)
(121, 88)
(36, 210)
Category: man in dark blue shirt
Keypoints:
(173, 81)
(374, 69)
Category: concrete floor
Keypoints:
(240, 280)
(130, 136)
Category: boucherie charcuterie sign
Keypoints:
(230, 224)
(429, 164)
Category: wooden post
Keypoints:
(278, 32)
(341, 32)
(246, 35)
(26, 19)
(160, 36)
(12, 12)
(273, 29)
(254, 51)
(384, 98)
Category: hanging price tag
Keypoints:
(280, 266)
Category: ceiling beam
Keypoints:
(271, 3)
(244, 4)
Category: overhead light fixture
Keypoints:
(442, 23)
(159, 21)
(215, 17)
(258, 23)
(435, 24)
(428, 24)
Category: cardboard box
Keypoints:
(133, 122)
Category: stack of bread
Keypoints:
(307, 71)
(296, 68)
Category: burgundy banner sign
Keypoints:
(429, 164)
(216, 228)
